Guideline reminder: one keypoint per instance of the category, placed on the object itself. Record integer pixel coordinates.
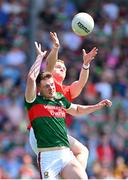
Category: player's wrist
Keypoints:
(56, 46)
(86, 66)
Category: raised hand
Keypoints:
(55, 39)
(38, 48)
(35, 69)
(88, 57)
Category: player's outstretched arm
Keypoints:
(53, 55)
(30, 92)
(77, 109)
(77, 86)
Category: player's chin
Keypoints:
(62, 76)
(51, 94)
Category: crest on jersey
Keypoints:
(61, 103)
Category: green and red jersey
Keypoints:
(47, 118)
(65, 90)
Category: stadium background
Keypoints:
(105, 133)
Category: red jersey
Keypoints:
(65, 90)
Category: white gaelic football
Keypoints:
(82, 24)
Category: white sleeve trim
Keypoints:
(31, 100)
(73, 106)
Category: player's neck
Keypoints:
(48, 98)
(59, 81)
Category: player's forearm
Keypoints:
(35, 69)
(77, 86)
(30, 92)
(77, 109)
(51, 59)
(88, 109)
(84, 74)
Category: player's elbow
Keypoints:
(82, 84)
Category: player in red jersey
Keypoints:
(58, 70)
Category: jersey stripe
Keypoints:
(40, 110)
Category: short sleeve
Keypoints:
(28, 105)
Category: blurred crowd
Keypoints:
(105, 132)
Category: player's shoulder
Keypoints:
(36, 100)
(65, 86)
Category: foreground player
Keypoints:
(70, 92)
(47, 113)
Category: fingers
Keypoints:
(107, 103)
(36, 44)
(52, 34)
(94, 51)
(55, 39)
(38, 49)
(43, 53)
(39, 46)
(88, 57)
(84, 52)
